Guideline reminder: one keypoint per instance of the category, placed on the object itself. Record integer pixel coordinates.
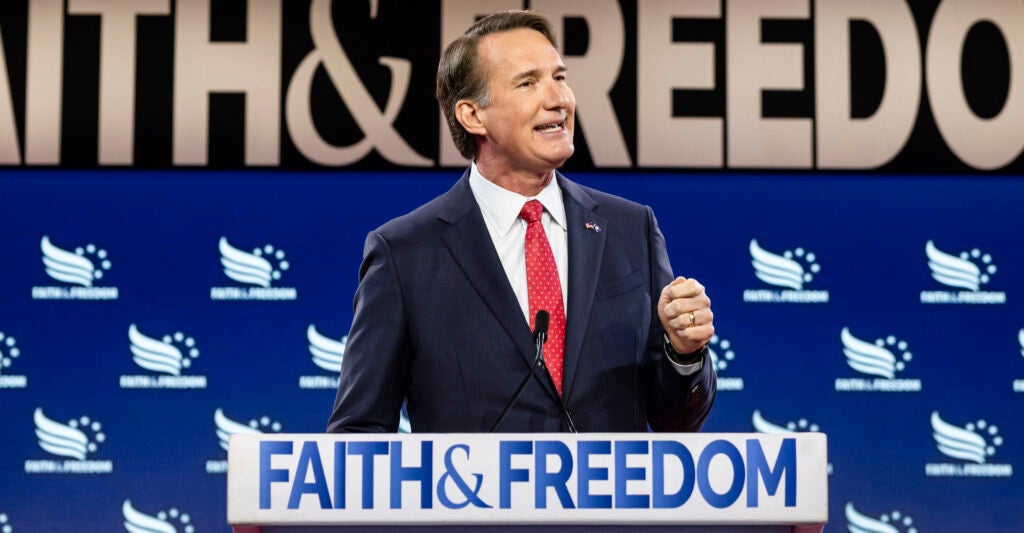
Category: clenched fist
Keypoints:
(685, 312)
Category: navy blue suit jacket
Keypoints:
(436, 323)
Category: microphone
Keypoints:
(540, 329)
(541, 322)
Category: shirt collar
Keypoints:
(501, 206)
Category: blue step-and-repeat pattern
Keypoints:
(148, 315)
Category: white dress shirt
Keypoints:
(501, 208)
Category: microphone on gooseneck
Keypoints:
(540, 335)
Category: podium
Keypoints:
(589, 482)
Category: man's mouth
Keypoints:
(550, 127)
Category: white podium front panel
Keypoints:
(453, 479)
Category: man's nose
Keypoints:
(559, 95)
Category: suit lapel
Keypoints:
(471, 247)
(586, 246)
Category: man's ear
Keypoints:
(468, 113)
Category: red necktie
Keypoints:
(544, 287)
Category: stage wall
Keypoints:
(179, 262)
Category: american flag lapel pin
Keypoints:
(592, 227)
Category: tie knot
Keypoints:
(531, 211)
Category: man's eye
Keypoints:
(526, 84)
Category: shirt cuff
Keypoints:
(684, 369)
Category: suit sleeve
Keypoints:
(375, 368)
(676, 403)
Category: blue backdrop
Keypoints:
(832, 312)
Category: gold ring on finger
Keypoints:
(693, 320)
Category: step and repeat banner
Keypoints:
(185, 186)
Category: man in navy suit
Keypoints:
(448, 293)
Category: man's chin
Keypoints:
(559, 158)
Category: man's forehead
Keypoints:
(519, 50)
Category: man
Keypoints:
(448, 293)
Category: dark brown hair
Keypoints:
(460, 77)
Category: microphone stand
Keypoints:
(558, 399)
(538, 362)
(540, 337)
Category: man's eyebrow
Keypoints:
(534, 73)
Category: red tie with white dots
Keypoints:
(544, 288)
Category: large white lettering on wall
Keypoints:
(658, 83)
(375, 123)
